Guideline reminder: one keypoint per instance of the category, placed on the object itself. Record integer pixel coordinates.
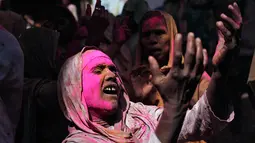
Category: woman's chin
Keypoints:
(112, 108)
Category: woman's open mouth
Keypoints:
(111, 89)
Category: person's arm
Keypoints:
(213, 111)
(201, 123)
(218, 92)
(171, 122)
(178, 86)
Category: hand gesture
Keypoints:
(141, 83)
(121, 31)
(179, 84)
(227, 37)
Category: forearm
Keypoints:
(201, 123)
(221, 89)
(217, 95)
(171, 122)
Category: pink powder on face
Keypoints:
(153, 23)
(92, 94)
(155, 38)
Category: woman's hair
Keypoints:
(149, 15)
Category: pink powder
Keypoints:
(155, 22)
(92, 94)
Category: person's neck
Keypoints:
(103, 120)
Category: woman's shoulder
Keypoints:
(152, 110)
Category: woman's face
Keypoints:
(101, 86)
(155, 39)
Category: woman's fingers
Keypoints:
(226, 33)
(155, 70)
(236, 13)
(198, 68)
(205, 58)
(177, 59)
(230, 21)
(190, 55)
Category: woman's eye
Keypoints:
(97, 71)
(160, 32)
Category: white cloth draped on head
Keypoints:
(135, 125)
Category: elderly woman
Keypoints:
(94, 100)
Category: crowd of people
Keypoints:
(129, 78)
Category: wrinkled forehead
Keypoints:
(93, 58)
(153, 22)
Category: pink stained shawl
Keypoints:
(136, 125)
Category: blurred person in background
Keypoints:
(11, 85)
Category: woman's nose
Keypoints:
(110, 75)
(153, 38)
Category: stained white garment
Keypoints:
(200, 122)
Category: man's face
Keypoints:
(155, 39)
(101, 87)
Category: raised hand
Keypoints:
(121, 32)
(179, 84)
(141, 84)
(227, 43)
(219, 91)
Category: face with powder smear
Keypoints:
(154, 37)
(101, 85)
